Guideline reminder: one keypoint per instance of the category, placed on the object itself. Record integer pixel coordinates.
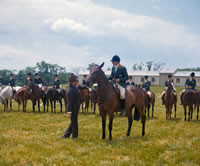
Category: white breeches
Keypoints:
(40, 85)
(122, 91)
(149, 94)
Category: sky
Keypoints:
(74, 33)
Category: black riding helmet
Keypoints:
(115, 58)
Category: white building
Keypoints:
(156, 78)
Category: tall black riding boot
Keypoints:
(123, 107)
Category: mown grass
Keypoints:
(35, 139)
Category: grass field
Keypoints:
(35, 139)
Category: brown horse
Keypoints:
(109, 102)
(149, 103)
(169, 101)
(94, 98)
(36, 94)
(22, 96)
(190, 98)
(85, 98)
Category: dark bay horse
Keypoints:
(36, 94)
(109, 102)
(53, 95)
(22, 96)
(190, 99)
(149, 103)
(85, 98)
(169, 101)
(94, 98)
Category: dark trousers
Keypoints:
(73, 127)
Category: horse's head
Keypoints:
(30, 84)
(95, 74)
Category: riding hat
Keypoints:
(169, 76)
(192, 74)
(116, 58)
(146, 77)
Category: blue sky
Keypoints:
(74, 33)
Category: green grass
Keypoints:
(35, 139)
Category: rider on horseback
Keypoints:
(166, 86)
(11, 81)
(56, 83)
(146, 87)
(38, 80)
(130, 81)
(119, 75)
(28, 79)
(190, 84)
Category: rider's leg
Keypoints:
(122, 97)
(181, 96)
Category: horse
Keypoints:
(149, 103)
(36, 94)
(169, 101)
(53, 95)
(109, 101)
(6, 95)
(85, 97)
(22, 96)
(94, 98)
(190, 98)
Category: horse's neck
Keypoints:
(104, 86)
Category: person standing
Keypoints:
(1, 80)
(130, 81)
(28, 79)
(72, 108)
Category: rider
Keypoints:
(28, 79)
(38, 80)
(190, 84)
(119, 75)
(11, 81)
(166, 86)
(56, 83)
(130, 81)
(1, 80)
(146, 86)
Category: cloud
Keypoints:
(68, 24)
(77, 32)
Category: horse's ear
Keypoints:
(101, 65)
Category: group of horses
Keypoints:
(106, 95)
(35, 94)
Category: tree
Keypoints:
(149, 65)
(90, 66)
(158, 66)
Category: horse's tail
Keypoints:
(136, 114)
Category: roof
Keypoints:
(143, 73)
(166, 70)
(186, 73)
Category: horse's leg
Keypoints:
(103, 116)
(51, 101)
(197, 112)
(143, 118)
(149, 106)
(33, 104)
(175, 110)
(185, 111)
(38, 102)
(47, 105)
(25, 104)
(94, 108)
(189, 112)
(54, 106)
(10, 104)
(152, 109)
(130, 120)
(60, 105)
(110, 125)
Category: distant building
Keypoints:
(157, 78)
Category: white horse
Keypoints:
(5, 95)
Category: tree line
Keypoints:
(46, 71)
